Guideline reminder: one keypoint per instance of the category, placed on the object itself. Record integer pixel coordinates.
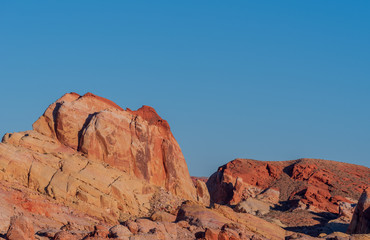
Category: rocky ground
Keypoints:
(92, 170)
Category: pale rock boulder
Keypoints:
(346, 210)
(202, 193)
(252, 206)
(270, 195)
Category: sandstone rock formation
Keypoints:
(308, 183)
(87, 153)
(139, 143)
(91, 170)
(360, 222)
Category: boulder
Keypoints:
(211, 234)
(161, 216)
(200, 216)
(132, 226)
(119, 231)
(145, 225)
(360, 223)
(100, 231)
(252, 206)
(20, 228)
(269, 195)
(202, 192)
(346, 210)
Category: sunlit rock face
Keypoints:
(88, 153)
(139, 143)
(318, 185)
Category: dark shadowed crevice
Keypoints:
(55, 117)
(80, 133)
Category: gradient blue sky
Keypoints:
(269, 80)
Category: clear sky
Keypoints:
(269, 80)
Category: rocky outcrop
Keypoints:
(87, 153)
(89, 165)
(139, 143)
(72, 179)
(307, 183)
(222, 221)
(360, 223)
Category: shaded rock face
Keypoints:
(308, 183)
(137, 142)
(360, 222)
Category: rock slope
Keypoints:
(305, 183)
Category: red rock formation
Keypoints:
(137, 142)
(318, 184)
(360, 223)
(89, 154)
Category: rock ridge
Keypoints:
(308, 183)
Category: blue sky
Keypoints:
(269, 80)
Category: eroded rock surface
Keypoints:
(88, 154)
(139, 143)
(307, 183)
(92, 170)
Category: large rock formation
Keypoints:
(137, 142)
(308, 183)
(87, 153)
(88, 164)
(360, 222)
